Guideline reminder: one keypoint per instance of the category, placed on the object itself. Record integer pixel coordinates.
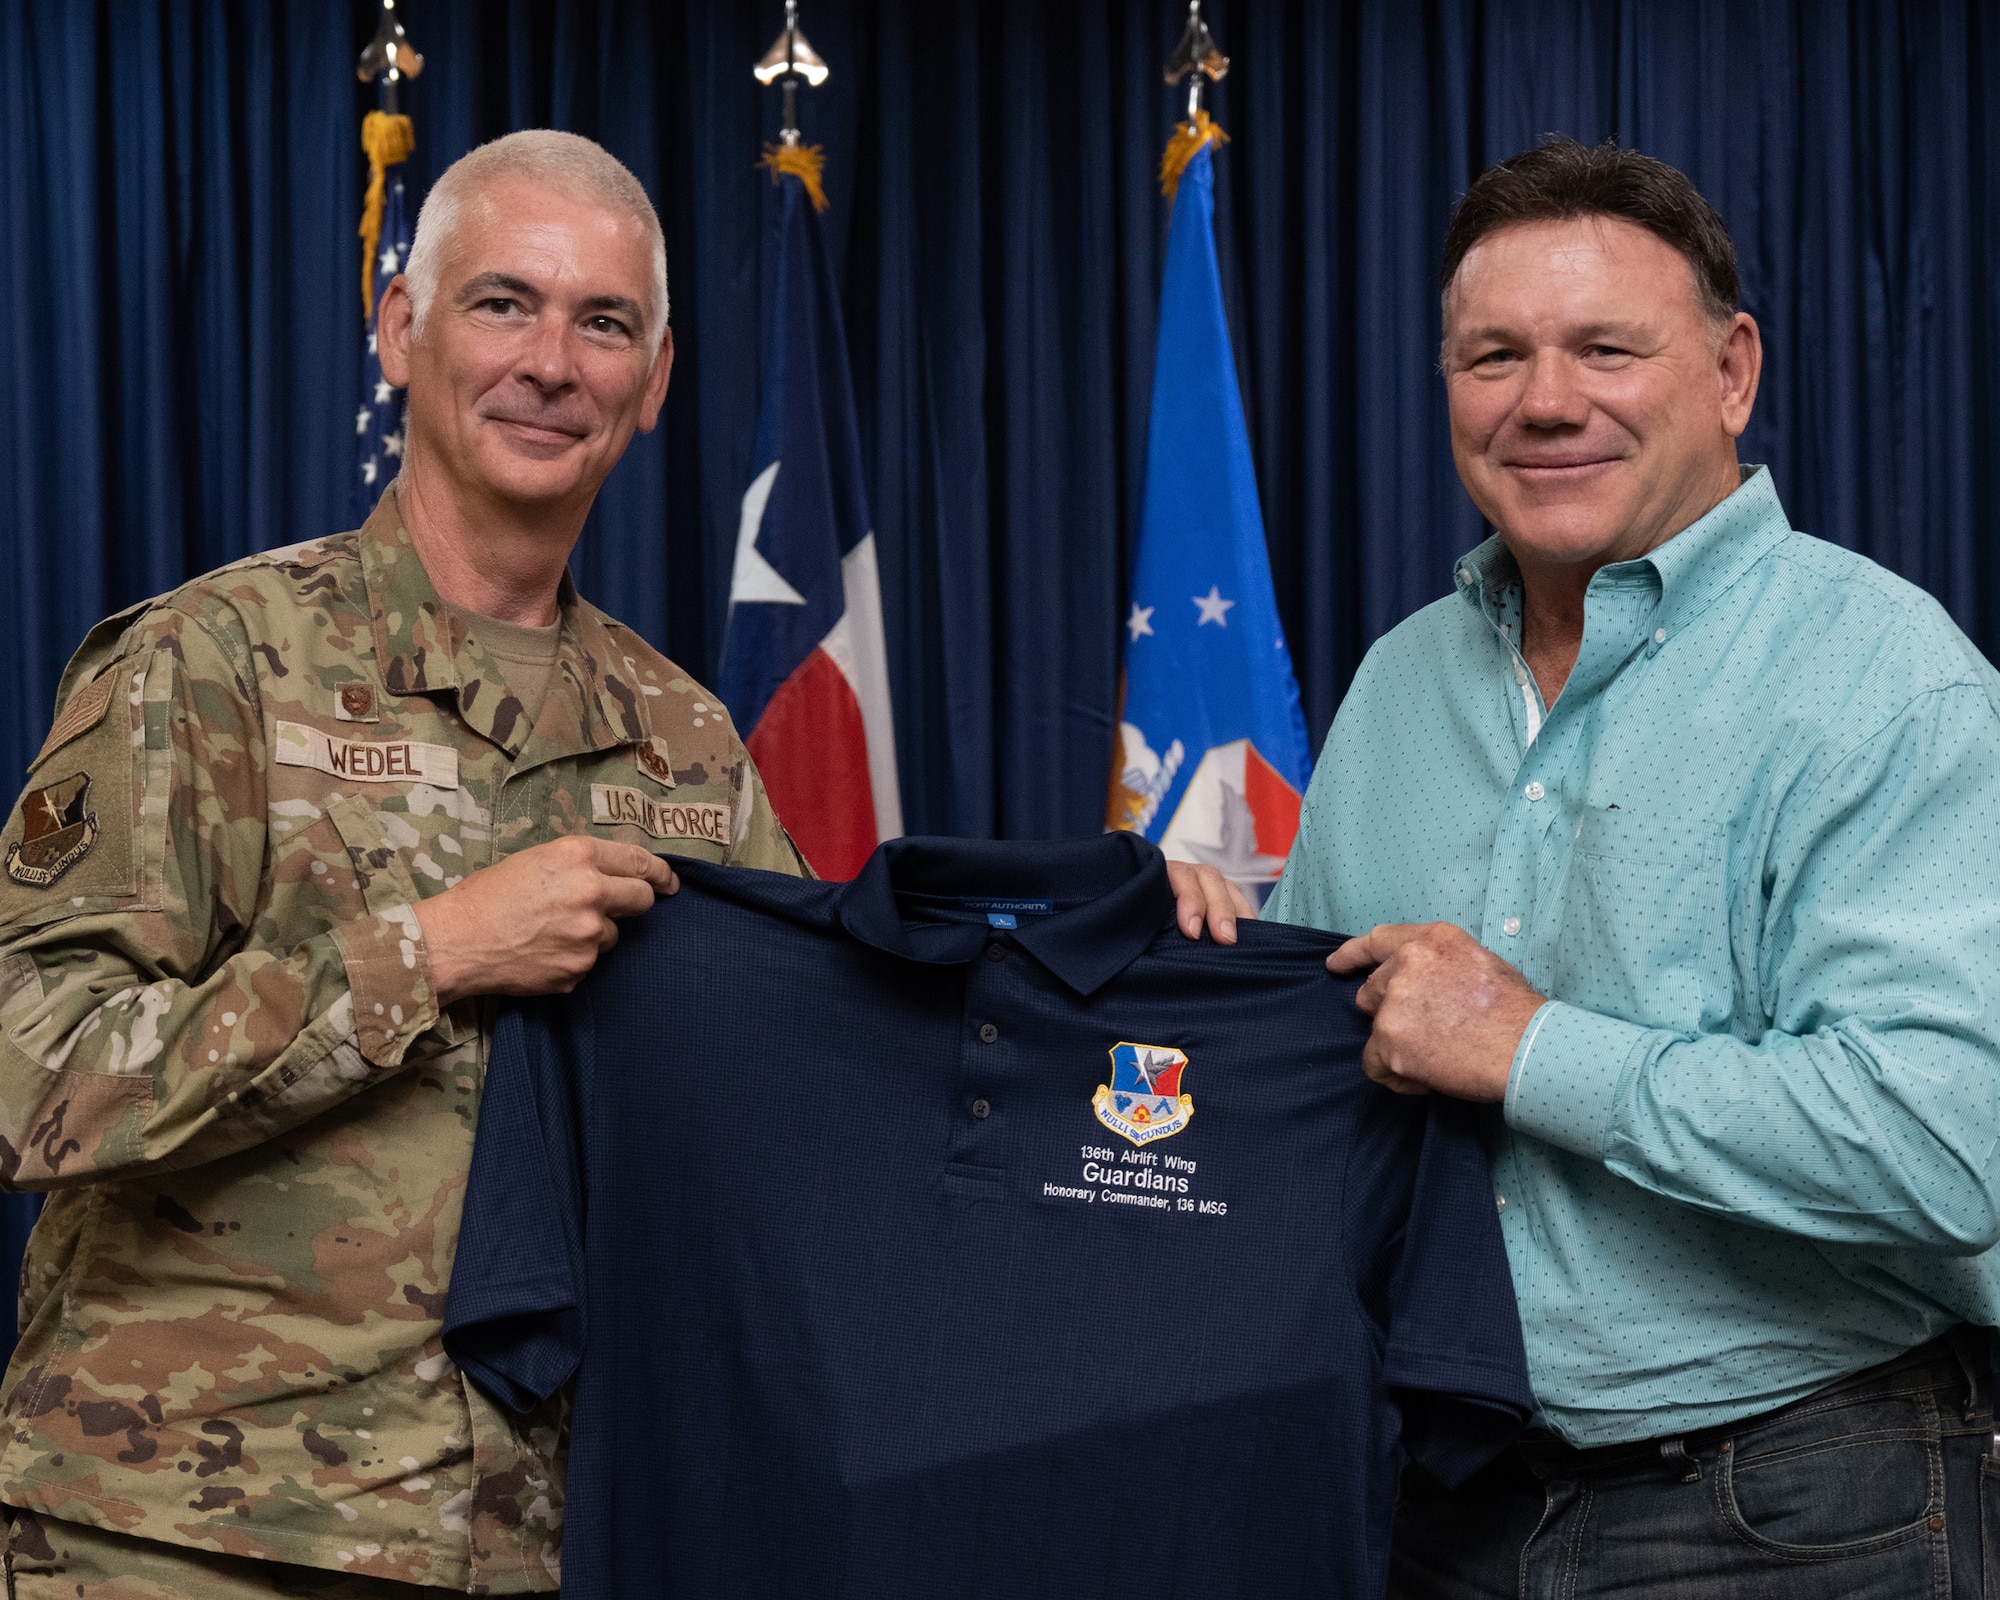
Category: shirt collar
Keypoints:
(422, 649)
(1692, 568)
(1087, 946)
(1704, 559)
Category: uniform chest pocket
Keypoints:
(1642, 934)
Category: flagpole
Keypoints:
(387, 139)
(1211, 760)
(790, 61)
(804, 669)
(1197, 59)
(389, 57)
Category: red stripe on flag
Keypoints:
(1274, 804)
(812, 751)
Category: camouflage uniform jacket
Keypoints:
(219, 1050)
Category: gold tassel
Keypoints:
(387, 140)
(806, 162)
(1188, 141)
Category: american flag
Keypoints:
(378, 424)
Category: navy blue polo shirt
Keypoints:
(966, 1230)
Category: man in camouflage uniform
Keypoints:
(293, 821)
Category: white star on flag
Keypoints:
(1213, 607)
(368, 471)
(361, 421)
(392, 444)
(1141, 620)
(383, 390)
(389, 261)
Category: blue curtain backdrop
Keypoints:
(179, 270)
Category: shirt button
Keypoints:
(982, 1109)
(1534, 791)
(1659, 636)
(996, 952)
(988, 1033)
(1499, 1202)
(1511, 926)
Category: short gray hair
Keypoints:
(563, 161)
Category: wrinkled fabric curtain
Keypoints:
(180, 267)
(179, 270)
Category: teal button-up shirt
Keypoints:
(1752, 854)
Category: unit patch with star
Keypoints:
(1143, 1101)
(57, 830)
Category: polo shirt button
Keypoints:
(982, 1109)
(1499, 1202)
(1511, 926)
(1534, 791)
(1659, 636)
(988, 1033)
(996, 951)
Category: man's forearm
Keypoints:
(1854, 1134)
(109, 1068)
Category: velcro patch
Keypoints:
(84, 711)
(367, 760)
(614, 803)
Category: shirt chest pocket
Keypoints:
(1642, 934)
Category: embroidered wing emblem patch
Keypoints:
(57, 831)
(1143, 1101)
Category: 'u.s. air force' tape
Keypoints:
(367, 760)
(688, 819)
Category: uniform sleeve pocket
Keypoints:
(1642, 935)
(380, 872)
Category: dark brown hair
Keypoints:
(1560, 178)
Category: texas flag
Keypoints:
(804, 670)
(1212, 756)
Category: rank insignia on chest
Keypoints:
(1143, 1100)
(355, 702)
(653, 760)
(57, 831)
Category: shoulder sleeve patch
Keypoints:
(58, 828)
(85, 710)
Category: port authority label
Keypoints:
(1143, 1101)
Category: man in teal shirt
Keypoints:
(1678, 834)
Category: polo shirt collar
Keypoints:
(1086, 946)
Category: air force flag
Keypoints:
(804, 670)
(1212, 756)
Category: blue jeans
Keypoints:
(1877, 1487)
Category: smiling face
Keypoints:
(534, 369)
(1595, 402)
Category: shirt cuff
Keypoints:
(1568, 1071)
(389, 975)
